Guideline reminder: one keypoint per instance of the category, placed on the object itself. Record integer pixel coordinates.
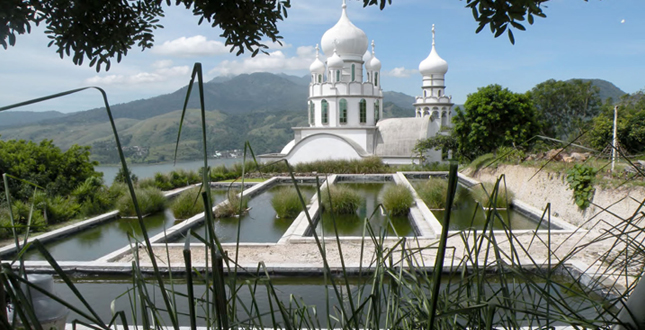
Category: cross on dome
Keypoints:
(372, 46)
(432, 35)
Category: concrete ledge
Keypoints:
(424, 221)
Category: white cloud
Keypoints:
(275, 61)
(162, 72)
(401, 72)
(191, 47)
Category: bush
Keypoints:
(397, 199)
(60, 209)
(187, 204)
(150, 200)
(483, 194)
(21, 211)
(344, 200)
(232, 205)
(481, 161)
(433, 192)
(93, 197)
(286, 202)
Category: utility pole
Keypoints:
(614, 143)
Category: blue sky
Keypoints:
(578, 39)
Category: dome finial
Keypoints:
(317, 50)
(344, 4)
(432, 35)
(372, 46)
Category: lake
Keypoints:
(143, 171)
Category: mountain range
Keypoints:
(260, 108)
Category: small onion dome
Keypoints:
(348, 40)
(317, 66)
(366, 58)
(375, 64)
(433, 64)
(335, 62)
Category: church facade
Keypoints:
(345, 105)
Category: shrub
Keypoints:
(580, 179)
(483, 194)
(162, 182)
(286, 202)
(150, 200)
(343, 200)
(147, 183)
(187, 204)
(232, 205)
(433, 192)
(481, 161)
(60, 209)
(92, 196)
(397, 199)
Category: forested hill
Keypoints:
(606, 89)
(16, 118)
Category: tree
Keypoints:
(101, 30)
(565, 107)
(630, 126)
(491, 118)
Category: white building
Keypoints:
(345, 105)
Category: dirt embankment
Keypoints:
(610, 205)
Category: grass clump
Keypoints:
(286, 202)
(483, 193)
(397, 199)
(433, 192)
(341, 199)
(233, 206)
(150, 200)
(187, 204)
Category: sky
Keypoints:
(577, 39)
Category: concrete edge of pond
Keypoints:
(424, 221)
(64, 231)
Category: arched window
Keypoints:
(439, 92)
(325, 111)
(319, 78)
(353, 73)
(375, 78)
(377, 113)
(342, 109)
(337, 75)
(312, 113)
(362, 105)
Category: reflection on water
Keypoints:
(352, 224)
(258, 225)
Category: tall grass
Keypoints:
(187, 204)
(397, 199)
(341, 199)
(150, 200)
(486, 194)
(433, 192)
(235, 205)
(286, 202)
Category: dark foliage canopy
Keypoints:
(98, 31)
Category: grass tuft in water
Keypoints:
(286, 202)
(151, 200)
(483, 193)
(344, 200)
(187, 204)
(433, 192)
(232, 206)
(397, 199)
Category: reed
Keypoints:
(150, 200)
(397, 199)
(286, 202)
(486, 194)
(433, 192)
(187, 204)
(235, 205)
(340, 199)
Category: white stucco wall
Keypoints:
(321, 147)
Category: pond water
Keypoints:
(259, 225)
(311, 292)
(353, 224)
(95, 242)
(467, 213)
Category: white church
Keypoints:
(345, 105)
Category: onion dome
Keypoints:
(317, 66)
(366, 58)
(374, 64)
(349, 41)
(433, 64)
(335, 62)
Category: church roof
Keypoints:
(398, 136)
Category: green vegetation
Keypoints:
(564, 107)
(286, 202)
(187, 204)
(150, 200)
(581, 179)
(234, 205)
(171, 180)
(491, 118)
(433, 192)
(631, 125)
(397, 199)
(340, 199)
